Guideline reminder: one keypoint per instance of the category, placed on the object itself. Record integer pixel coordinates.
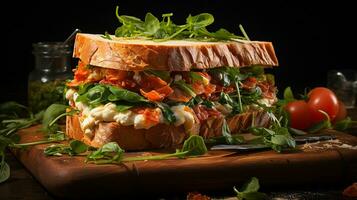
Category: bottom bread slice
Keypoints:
(162, 135)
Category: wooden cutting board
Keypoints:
(70, 177)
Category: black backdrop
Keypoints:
(309, 39)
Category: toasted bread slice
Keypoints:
(174, 55)
(162, 135)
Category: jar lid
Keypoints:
(51, 49)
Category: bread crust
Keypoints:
(162, 135)
(173, 55)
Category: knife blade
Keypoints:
(299, 140)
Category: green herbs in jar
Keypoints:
(41, 95)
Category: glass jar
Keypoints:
(46, 82)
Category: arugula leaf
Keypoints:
(108, 153)
(236, 139)
(278, 138)
(152, 24)
(226, 132)
(105, 36)
(75, 147)
(112, 153)
(250, 191)
(152, 28)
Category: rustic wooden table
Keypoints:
(22, 185)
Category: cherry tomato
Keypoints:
(300, 114)
(321, 98)
(342, 112)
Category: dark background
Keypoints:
(309, 39)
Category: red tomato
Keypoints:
(300, 114)
(321, 98)
(342, 112)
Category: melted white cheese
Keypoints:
(108, 113)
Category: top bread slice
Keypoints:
(173, 55)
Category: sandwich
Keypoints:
(145, 93)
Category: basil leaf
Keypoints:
(288, 95)
(251, 186)
(249, 191)
(119, 94)
(194, 145)
(51, 113)
(4, 171)
(78, 147)
(97, 95)
(83, 88)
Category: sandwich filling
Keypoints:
(144, 99)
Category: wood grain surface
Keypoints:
(71, 177)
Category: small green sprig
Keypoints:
(111, 153)
(249, 191)
(152, 28)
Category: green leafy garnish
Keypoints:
(185, 87)
(164, 75)
(98, 94)
(344, 124)
(4, 169)
(75, 147)
(111, 153)
(276, 137)
(288, 95)
(249, 191)
(226, 132)
(51, 115)
(326, 123)
(106, 36)
(166, 29)
(14, 117)
(166, 112)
